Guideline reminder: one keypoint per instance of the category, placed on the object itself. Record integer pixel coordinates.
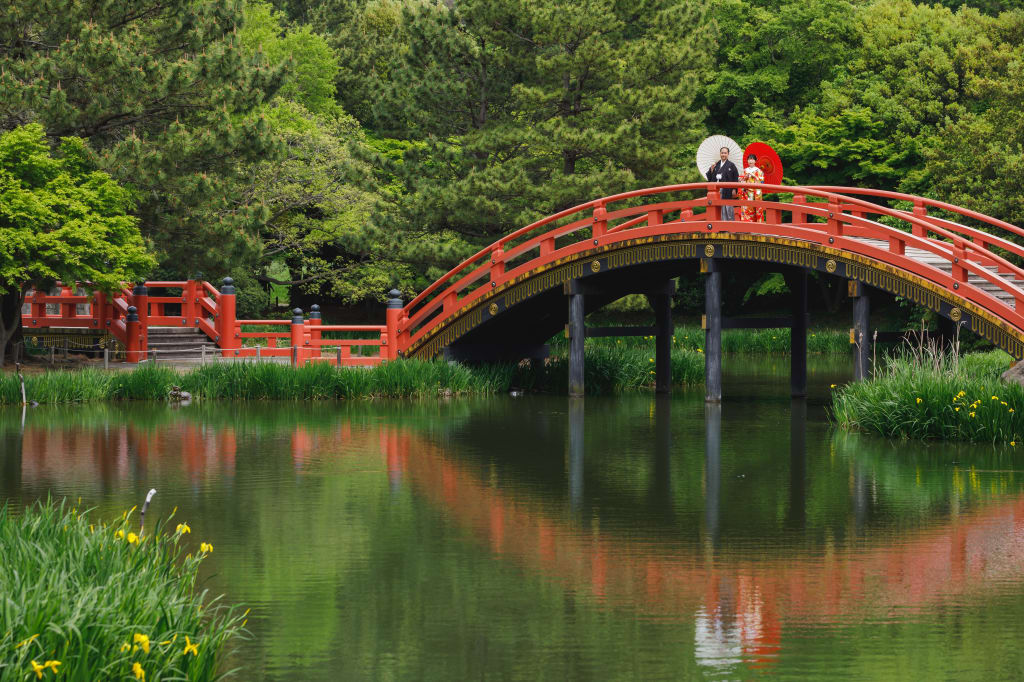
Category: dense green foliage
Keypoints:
(85, 599)
(341, 147)
(940, 398)
(60, 219)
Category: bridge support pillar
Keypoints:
(860, 338)
(712, 331)
(662, 303)
(798, 334)
(577, 334)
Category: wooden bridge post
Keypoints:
(798, 334)
(860, 339)
(577, 335)
(393, 313)
(131, 327)
(712, 331)
(298, 338)
(663, 345)
(226, 318)
(140, 297)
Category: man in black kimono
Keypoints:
(725, 171)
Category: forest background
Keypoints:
(330, 150)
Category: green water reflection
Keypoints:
(542, 538)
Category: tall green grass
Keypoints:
(734, 340)
(936, 397)
(608, 369)
(91, 598)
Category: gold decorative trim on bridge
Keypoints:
(634, 252)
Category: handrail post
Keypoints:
(131, 325)
(393, 316)
(188, 304)
(298, 337)
(799, 216)
(68, 311)
(140, 297)
(600, 223)
(959, 272)
(920, 211)
(714, 210)
(835, 214)
(315, 320)
(226, 318)
(497, 265)
(38, 306)
(99, 310)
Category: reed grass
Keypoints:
(84, 600)
(761, 341)
(932, 395)
(608, 369)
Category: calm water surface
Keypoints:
(540, 538)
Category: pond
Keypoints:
(620, 537)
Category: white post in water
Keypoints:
(145, 505)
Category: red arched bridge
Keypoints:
(504, 302)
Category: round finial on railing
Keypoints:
(140, 288)
(395, 300)
(314, 312)
(228, 286)
(297, 316)
(132, 314)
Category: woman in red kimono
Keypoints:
(752, 175)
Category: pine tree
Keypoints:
(534, 106)
(162, 91)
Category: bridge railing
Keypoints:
(129, 313)
(831, 216)
(302, 341)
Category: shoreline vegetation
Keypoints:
(922, 394)
(89, 600)
(612, 365)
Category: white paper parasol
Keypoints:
(707, 153)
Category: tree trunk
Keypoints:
(10, 321)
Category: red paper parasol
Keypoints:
(767, 160)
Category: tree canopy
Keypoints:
(60, 220)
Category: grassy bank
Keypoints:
(84, 600)
(936, 397)
(608, 369)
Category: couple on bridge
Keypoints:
(725, 171)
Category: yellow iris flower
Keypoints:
(142, 640)
(189, 646)
(52, 665)
(38, 670)
(183, 528)
(119, 534)
(133, 539)
(205, 547)
(140, 674)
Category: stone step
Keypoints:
(175, 331)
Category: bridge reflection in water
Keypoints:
(695, 525)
